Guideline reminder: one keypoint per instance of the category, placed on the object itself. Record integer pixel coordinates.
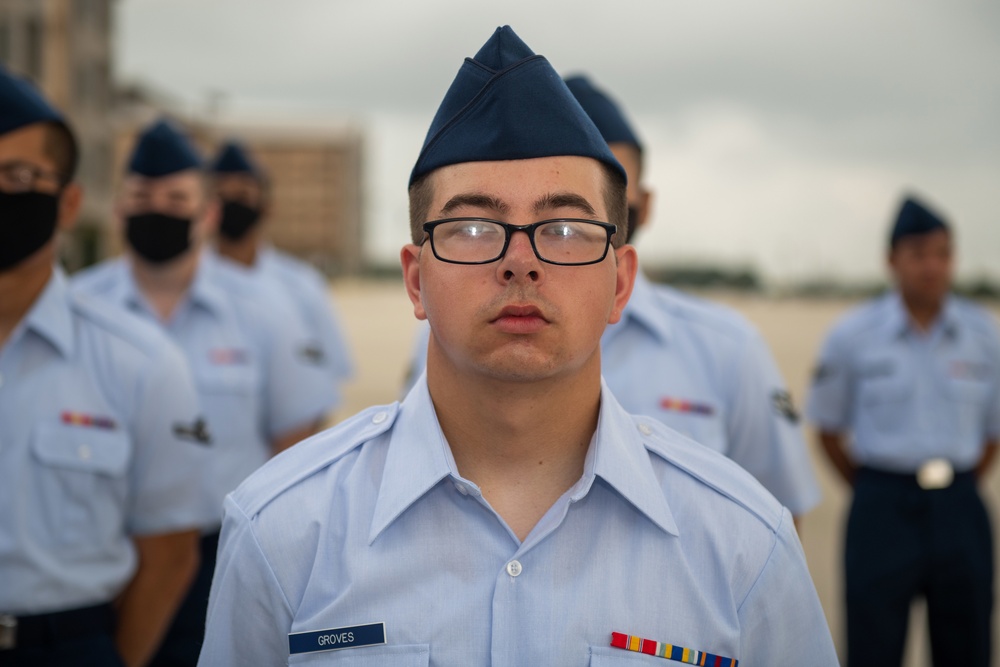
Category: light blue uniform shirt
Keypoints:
(294, 285)
(93, 408)
(253, 383)
(310, 292)
(906, 396)
(703, 370)
(370, 522)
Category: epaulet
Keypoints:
(117, 322)
(311, 456)
(978, 318)
(718, 317)
(859, 319)
(712, 469)
(95, 279)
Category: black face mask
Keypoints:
(633, 223)
(27, 222)
(237, 220)
(157, 237)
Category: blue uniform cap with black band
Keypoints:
(603, 110)
(22, 104)
(507, 103)
(233, 158)
(915, 218)
(161, 150)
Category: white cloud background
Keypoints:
(780, 133)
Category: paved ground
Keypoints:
(380, 325)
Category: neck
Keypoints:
(243, 251)
(20, 287)
(166, 285)
(923, 312)
(523, 444)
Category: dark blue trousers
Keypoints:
(904, 542)
(73, 638)
(182, 644)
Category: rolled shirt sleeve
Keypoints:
(248, 615)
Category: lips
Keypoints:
(520, 320)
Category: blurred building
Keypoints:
(65, 47)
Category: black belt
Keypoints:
(916, 479)
(61, 626)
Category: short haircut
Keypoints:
(60, 147)
(615, 201)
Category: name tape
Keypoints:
(334, 639)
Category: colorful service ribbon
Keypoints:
(680, 405)
(669, 651)
(81, 419)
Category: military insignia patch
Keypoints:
(782, 402)
(312, 353)
(196, 432)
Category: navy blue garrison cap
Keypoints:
(607, 115)
(162, 150)
(233, 158)
(22, 105)
(915, 218)
(509, 104)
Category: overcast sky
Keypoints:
(780, 133)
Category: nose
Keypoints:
(519, 262)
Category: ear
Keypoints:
(645, 206)
(208, 220)
(628, 265)
(70, 202)
(409, 257)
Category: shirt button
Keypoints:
(461, 489)
(514, 568)
(379, 417)
(645, 430)
(84, 452)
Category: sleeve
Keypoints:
(329, 329)
(781, 620)
(297, 390)
(830, 396)
(764, 433)
(248, 615)
(170, 467)
(992, 425)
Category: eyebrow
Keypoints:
(475, 200)
(564, 200)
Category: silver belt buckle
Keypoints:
(935, 474)
(8, 632)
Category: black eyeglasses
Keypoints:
(562, 241)
(18, 177)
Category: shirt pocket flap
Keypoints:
(407, 655)
(84, 448)
(227, 379)
(605, 656)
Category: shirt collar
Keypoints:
(899, 323)
(645, 309)
(202, 292)
(419, 458)
(51, 317)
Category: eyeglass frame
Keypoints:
(509, 231)
(37, 175)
